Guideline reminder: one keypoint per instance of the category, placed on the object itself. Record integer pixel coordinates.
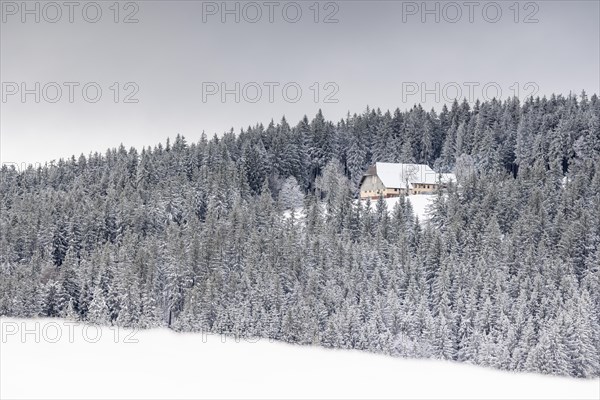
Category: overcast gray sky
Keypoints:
(178, 57)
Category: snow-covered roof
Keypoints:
(398, 176)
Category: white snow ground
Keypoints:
(419, 202)
(51, 359)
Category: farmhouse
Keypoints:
(391, 180)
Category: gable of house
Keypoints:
(371, 183)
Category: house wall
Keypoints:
(374, 194)
(371, 183)
(373, 187)
(423, 188)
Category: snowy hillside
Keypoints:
(48, 358)
(420, 204)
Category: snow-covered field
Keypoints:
(53, 359)
(420, 204)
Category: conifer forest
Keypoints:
(260, 233)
